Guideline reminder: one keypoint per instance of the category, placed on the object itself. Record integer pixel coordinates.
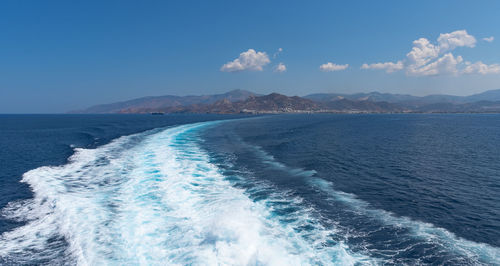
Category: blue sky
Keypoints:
(62, 55)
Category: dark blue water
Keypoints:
(442, 170)
(272, 190)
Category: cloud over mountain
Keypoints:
(388, 66)
(481, 68)
(280, 68)
(249, 60)
(427, 58)
(329, 67)
(489, 39)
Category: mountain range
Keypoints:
(241, 101)
(154, 103)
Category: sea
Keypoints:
(294, 189)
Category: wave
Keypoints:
(438, 243)
(155, 198)
(472, 252)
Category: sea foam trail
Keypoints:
(435, 239)
(430, 235)
(156, 199)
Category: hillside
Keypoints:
(240, 101)
(279, 103)
(164, 102)
(408, 101)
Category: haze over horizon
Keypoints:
(58, 56)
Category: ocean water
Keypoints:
(268, 190)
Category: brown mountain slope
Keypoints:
(276, 103)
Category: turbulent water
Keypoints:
(274, 190)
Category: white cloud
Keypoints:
(489, 39)
(280, 68)
(426, 58)
(459, 38)
(481, 68)
(447, 64)
(388, 66)
(422, 53)
(249, 60)
(328, 67)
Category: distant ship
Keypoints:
(157, 113)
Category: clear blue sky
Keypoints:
(62, 55)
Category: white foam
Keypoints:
(157, 201)
(476, 252)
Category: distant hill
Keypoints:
(370, 96)
(471, 107)
(491, 95)
(164, 102)
(346, 105)
(272, 103)
(408, 101)
(279, 103)
(241, 101)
